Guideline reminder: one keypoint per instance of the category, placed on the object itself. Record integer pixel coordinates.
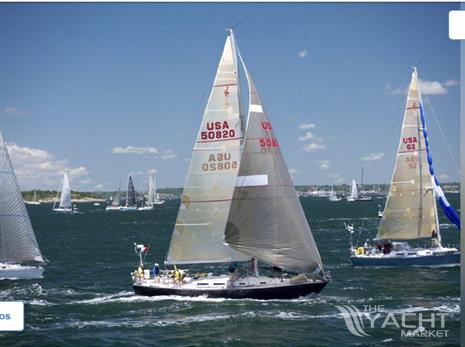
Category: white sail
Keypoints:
(266, 220)
(65, 198)
(199, 231)
(151, 192)
(354, 191)
(410, 211)
(18, 243)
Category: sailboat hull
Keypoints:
(435, 259)
(288, 291)
(17, 271)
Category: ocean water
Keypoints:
(86, 298)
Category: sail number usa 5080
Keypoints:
(219, 162)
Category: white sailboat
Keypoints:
(152, 196)
(20, 256)
(333, 196)
(353, 192)
(65, 205)
(411, 212)
(115, 202)
(238, 205)
(130, 197)
(34, 200)
(362, 195)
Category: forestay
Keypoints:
(18, 243)
(266, 220)
(410, 211)
(198, 236)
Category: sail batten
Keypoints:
(266, 220)
(18, 243)
(199, 231)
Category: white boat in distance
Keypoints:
(34, 200)
(152, 197)
(238, 205)
(20, 256)
(65, 205)
(115, 203)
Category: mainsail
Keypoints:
(410, 211)
(354, 190)
(266, 220)
(198, 235)
(65, 199)
(131, 196)
(18, 243)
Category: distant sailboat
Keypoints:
(353, 192)
(34, 200)
(362, 196)
(130, 197)
(20, 256)
(152, 196)
(411, 212)
(115, 203)
(333, 196)
(239, 204)
(65, 205)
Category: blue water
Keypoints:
(86, 296)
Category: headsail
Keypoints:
(199, 231)
(410, 211)
(65, 198)
(131, 195)
(266, 220)
(18, 243)
(449, 211)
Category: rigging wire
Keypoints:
(442, 134)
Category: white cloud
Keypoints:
(137, 173)
(340, 180)
(169, 154)
(99, 187)
(37, 168)
(134, 150)
(13, 111)
(292, 172)
(152, 172)
(303, 54)
(443, 177)
(426, 87)
(451, 83)
(308, 136)
(307, 126)
(373, 156)
(323, 164)
(313, 147)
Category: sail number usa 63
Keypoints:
(219, 162)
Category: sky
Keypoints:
(105, 90)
